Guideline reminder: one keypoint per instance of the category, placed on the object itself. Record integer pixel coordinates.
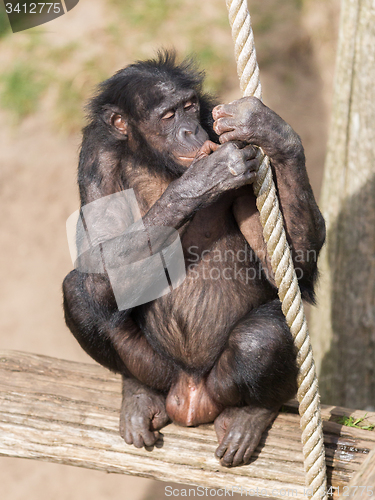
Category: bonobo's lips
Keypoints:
(186, 160)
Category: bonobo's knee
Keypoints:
(69, 282)
(264, 357)
(71, 290)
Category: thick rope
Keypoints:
(282, 265)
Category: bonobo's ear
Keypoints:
(114, 117)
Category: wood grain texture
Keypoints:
(66, 412)
(343, 325)
(365, 476)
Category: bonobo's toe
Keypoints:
(239, 431)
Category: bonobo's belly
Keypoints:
(224, 280)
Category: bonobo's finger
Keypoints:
(206, 149)
(232, 135)
(237, 168)
(221, 449)
(227, 460)
(252, 165)
(128, 437)
(157, 435)
(125, 430)
(223, 125)
(244, 451)
(209, 147)
(225, 444)
(229, 447)
(122, 426)
(138, 425)
(245, 161)
(249, 152)
(222, 110)
(159, 420)
(149, 438)
(249, 177)
(137, 439)
(249, 452)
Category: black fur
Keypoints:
(227, 339)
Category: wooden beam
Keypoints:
(362, 484)
(66, 412)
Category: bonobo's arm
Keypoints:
(215, 169)
(254, 123)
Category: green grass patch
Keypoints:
(73, 94)
(148, 14)
(298, 4)
(70, 101)
(264, 22)
(358, 423)
(20, 89)
(212, 62)
(62, 54)
(5, 28)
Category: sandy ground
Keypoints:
(37, 194)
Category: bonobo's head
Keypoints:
(157, 111)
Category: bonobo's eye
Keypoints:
(168, 115)
(190, 104)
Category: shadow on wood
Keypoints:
(66, 412)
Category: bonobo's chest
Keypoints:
(219, 258)
(211, 225)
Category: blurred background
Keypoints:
(47, 73)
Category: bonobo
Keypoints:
(217, 347)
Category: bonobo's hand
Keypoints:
(217, 169)
(249, 120)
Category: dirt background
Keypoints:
(46, 74)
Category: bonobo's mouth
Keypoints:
(186, 156)
(186, 160)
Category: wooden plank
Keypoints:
(362, 484)
(66, 412)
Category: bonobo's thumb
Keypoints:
(206, 149)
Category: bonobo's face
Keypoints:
(173, 128)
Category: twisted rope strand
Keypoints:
(282, 265)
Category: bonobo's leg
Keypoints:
(113, 339)
(88, 305)
(254, 376)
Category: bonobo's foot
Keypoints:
(239, 431)
(142, 413)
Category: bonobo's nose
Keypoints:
(192, 134)
(189, 130)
